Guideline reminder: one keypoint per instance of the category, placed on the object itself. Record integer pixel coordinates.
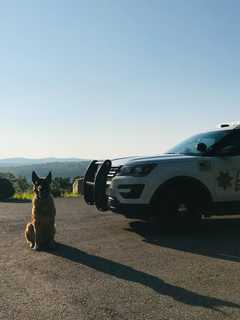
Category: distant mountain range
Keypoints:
(27, 161)
(70, 167)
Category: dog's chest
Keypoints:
(43, 208)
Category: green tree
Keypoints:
(60, 186)
(22, 185)
(6, 189)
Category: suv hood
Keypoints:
(152, 159)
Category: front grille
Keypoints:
(112, 173)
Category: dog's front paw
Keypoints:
(35, 247)
(31, 245)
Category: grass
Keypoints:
(70, 195)
(23, 196)
(29, 195)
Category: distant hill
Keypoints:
(65, 169)
(17, 162)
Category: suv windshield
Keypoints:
(189, 146)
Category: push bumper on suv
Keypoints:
(95, 182)
(99, 190)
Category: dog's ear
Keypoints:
(35, 177)
(49, 178)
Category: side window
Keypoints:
(208, 141)
(231, 146)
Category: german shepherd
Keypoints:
(40, 232)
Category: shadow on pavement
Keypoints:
(17, 201)
(127, 273)
(216, 238)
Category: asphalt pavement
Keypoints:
(106, 266)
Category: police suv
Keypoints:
(198, 177)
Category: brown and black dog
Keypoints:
(40, 231)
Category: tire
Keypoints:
(183, 204)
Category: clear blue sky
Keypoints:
(96, 79)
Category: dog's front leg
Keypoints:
(36, 234)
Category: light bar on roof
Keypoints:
(230, 124)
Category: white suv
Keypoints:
(200, 176)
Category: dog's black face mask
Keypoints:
(41, 186)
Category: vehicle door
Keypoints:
(226, 168)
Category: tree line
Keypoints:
(10, 185)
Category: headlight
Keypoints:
(140, 170)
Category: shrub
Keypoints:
(61, 185)
(6, 189)
(20, 183)
(56, 193)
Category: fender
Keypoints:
(184, 181)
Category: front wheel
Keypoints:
(177, 205)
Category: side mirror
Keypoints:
(201, 147)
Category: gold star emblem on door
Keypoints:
(224, 180)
